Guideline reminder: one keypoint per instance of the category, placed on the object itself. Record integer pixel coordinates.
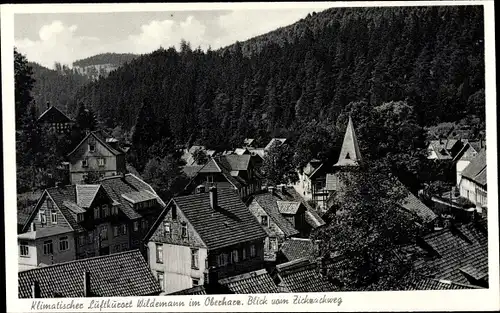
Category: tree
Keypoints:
(85, 122)
(165, 176)
(200, 156)
(92, 177)
(145, 134)
(278, 166)
(23, 84)
(370, 229)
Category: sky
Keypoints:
(67, 37)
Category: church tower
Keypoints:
(349, 154)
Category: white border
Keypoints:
(463, 300)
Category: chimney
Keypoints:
(213, 197)
(86, 284)
(48, 104)
(35, 290)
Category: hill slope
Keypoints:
(432, 57)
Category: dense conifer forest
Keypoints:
(106, 58)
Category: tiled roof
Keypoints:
(197, 290)
(85, 194)
(238, 162)
(62, 195)
(194, 148)
(257, 151)
(73, 207)
(210, 167)
(250, 283)
(241, 151)
(191, 170)
(231, 223)
(298, 248)
(248, 141)
(288, 207)
(435, 284)
(44, 232)
(302, 275)
(117, 186)
(467, 153)
(117, 275)
(101, 136)
(139, 196)
(268, 202)
(270, 144)
(54, 115)
(417, 207)
(461, 252)
(332, 182)
(476, 170)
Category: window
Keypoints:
(117, 248)
(43, 217)
(91, 147)
(116, 231)
(144, 224)
(347, 156)
(47, 247)
(234, 256)
(194, 258)
(136, 225)
(166, 228)
(222, 259)
(252, 251)
(184, 230)
(24, 248)
(101, 161)
(273, 243)
(159, 253)
(264, 221)
(244, 253)
(90, 237)
(124, 229)
(81, 240)
(196, 282)
(53, 216)
(105, 211)
(160, 280)
(50, 204)
(63, 243)
(79, 217)
(104, 232)
(124, 246)
(210, 179)
(114, 210)
(96, 213)
(174, 213)
(85, 163)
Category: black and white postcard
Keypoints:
(326, 156)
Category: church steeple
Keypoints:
(349, 154)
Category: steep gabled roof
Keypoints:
(417, 207)
(117, 275)
(54, 115)
(229, 224)
(350, 154)
(250, 283)
(298, 248)
(100, 136)
(476, 170)
(268, 203)
(85, 194)
(436, 284)
(312, 217)
(460, 252)
(238, 162)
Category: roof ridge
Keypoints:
(82, 260)
(239, 277)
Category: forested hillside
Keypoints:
(303, 76)
(57, 86)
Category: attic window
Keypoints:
(184, 230)
(91, 147)
(347, 156)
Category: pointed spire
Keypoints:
(349, 154)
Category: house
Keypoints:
(248, 142)
(296, 248)
(301, 275)
(473, 181)
(458, 254)
(202, 238)
(273, 141)
(97, 153)
(236, 172)
(306, 178)
(88, 220)
(283, 215)
(188, 154)
(56, 120)
(444, 149)
(463, 158)
(124, 274)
